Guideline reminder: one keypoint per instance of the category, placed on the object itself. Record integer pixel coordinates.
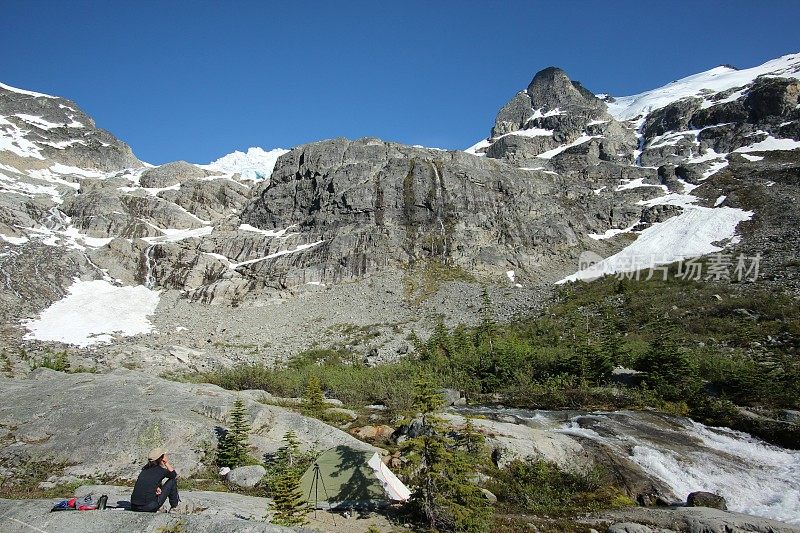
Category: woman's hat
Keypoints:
(155, 453)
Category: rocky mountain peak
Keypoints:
(40, 126)
(551, 89)
(547, 118)
(550, 93)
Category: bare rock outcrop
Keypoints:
(371, 204)
(103, 424)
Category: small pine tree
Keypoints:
(289, 457)
(601, 366)
(487, 330)
(470, 440)
(314, 399)
(611, 341)
(289, 453)
(61, 362)
(577, 363)
(287, 501)
(234, 444)
(438, 349)
(427, 397)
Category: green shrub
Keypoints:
(59, 363)
(354, 384)
(694, 341)
(314, 400)
(539, 487)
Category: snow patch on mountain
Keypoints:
(555, 151)
(770, 143)
(12, 139)
(175, 235)
(279, 233)
(43, 124)
(298, 248)
(93, 312)
(480, 145)
(255, 164)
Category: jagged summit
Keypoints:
(555, 119)
(550, 93)
(551, 88)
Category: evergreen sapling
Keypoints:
(234, 444)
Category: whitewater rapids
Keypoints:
(754, 477)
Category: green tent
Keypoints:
(344, 477)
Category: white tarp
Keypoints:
(395, 489)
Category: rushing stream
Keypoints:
(753, 477)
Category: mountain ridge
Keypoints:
(274, 226)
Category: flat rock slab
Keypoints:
(519, 441)
(199, 502)
(104, 424)
(34, 515)
(692, 520)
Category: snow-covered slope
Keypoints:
(68, 189)
(23, 91)
(255, 164)
(703, 85)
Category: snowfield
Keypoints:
(690, 234)
(93, 311)
(255, 164)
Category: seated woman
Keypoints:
(149, 493)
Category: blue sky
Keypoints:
(196, 80)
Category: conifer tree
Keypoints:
(599, 362)
(487, 330)
(288, 504)
(577, 362)
(427, 397)
(314, 399)
(443, 495)
(438, 348)
(611, 341)
(234, 444)
(61, 363)
(289, 458)
(667, 367)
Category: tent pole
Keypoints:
(326, 492)
(317, 479)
